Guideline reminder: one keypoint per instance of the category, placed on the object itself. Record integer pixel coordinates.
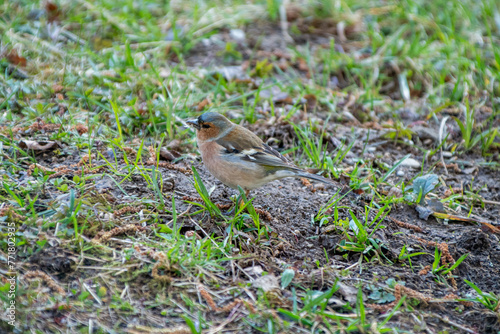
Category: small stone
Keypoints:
(169, 182)
(400, 173)
(412, 163)
(319, 186)
(266, 283)
(447, 154)
(425, 133)
(110, 154)
(237, 35)
(470, 170)
(396, 192)
(349, 161)
(254, 270)
(350, 293)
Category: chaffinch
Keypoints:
(237, 157)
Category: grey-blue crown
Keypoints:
(212, 117)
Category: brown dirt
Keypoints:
(297, 240)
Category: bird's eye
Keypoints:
(206, 126)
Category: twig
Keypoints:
(181, 214)
(490, 202)
(352, 266)
(422, 324)
(453, 323)
(284, 24)
(229, 319)
(143, 45)
(441, 131)
(98, 300)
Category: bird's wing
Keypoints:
(267, 156)
(247, 146)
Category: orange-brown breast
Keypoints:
(230, 172)
(210, 153)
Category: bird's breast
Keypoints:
(230, 169)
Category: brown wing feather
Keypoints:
(240, 139)
(269, 150)
(243, 142)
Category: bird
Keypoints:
(239, 158)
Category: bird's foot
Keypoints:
(239, 204)
(229, 212)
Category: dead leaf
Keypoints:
(142, 109)
(293, 12)
(396, 192)
(174, 145)
(455, 217)
(487, 227)
(283, 98)
(40, 125)
(57, 88)
(203, 104)
(282, 54)
(169, 155)
(348, 292)
(254, 271)
(303, 65)
(470, 170)
(81, 129)
(283, 64)
(277, 95)
(38, 146)
(245, 65)
(267, 283)
(53, 12)
(248, 81)
(15, 59)
(62, 110)
(311, 100)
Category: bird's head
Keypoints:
(209, 125)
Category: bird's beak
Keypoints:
(194, 123)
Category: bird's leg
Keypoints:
(237, 204)
(229, 212)
(240, 203)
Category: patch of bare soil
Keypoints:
(297, 240)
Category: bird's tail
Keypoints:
(317, 178)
